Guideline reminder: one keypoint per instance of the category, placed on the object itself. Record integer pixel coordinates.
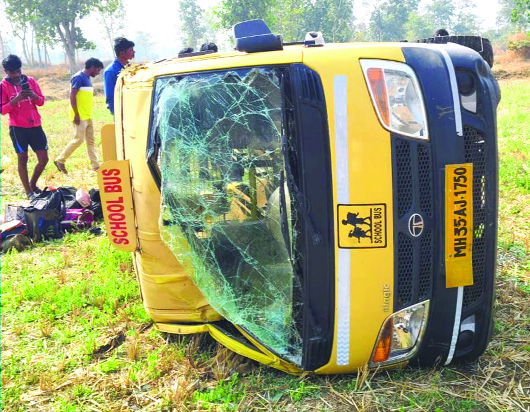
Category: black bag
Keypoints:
(44, 215)
(95, 204)
(68, 193)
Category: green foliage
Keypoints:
(56, 20)
(521, 46)
(465, 21)
(71, 285)
(112, 364)
(112, 18)
(292, 18)
(144, 45)
(418, 26)
(514, 142)
(397, 20)
(389, 18)
(304, 391)
(192, 23)
(521, 13)
(334, 18)
(441, 13)
(228, 393)
(230, 12)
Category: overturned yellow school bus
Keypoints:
(315, 207)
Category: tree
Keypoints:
(20, 15)
(58, 20)
(441, 13)
(389, 18)
(144, 45)
(292, 18)
(334, 18)
(465, 20)
(113, 20)
(192, 23)
(521, 13)
(291, 21)
(418, 26)
(230, 12)
(60, 17)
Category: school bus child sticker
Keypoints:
(362, 226)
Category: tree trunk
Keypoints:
(4, 53)
(39, 54)
(25, 50)
(46, 57)
(31, 49)
(68, 40)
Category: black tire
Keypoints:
(477, 43)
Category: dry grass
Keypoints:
(75, 361)
(510, 64)
(506, 67)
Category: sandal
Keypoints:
(61, 167)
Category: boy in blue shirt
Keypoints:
(124, 50)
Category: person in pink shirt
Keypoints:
(20, 96)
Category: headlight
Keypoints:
(397, 97)
(400, 336)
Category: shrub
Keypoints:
(519, 44)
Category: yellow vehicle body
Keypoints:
(364, 299)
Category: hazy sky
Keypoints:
(163, 13)
(160, 19)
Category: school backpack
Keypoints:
(44, 215)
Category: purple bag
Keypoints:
(77, 219)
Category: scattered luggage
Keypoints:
(44, 215)
(18, 242)
(77, 219)
(14, 227)
(49, 215)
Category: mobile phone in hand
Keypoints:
(25, 86)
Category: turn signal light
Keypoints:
(382, 350)
(376, 78)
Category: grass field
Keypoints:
(75, 336)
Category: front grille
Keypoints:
(404, 177)
(413, 188)
(475, 152)
(425, 178)
(426, 269)
(405, 270)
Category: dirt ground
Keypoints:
(55, 82)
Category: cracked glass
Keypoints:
(226, 208)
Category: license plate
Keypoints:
(458, 225)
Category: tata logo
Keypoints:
(362, 226)
(416, 225)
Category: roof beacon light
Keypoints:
(254, 36)
(314, 39)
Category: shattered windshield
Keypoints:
(226, 208)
